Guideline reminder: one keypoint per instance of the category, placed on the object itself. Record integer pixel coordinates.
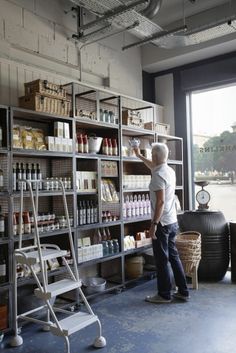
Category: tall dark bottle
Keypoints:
(27, 173)
(2, 223)
(18, 176)
(39, 175)
(23, 175)
(33, 176)
(14, 184)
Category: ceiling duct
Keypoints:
(152, 9)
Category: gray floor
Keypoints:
(206, 324)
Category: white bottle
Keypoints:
(148, 203)
(128, 207)
(144, 205)
(132, 206)
(124, 209)
(140, 205)
(136, 206)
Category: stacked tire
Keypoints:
(215, 241)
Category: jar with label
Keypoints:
(101, 114)
(116, 246)
(106, 116)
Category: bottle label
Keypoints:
(2, 226)
(2, 270)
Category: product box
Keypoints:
(58, 144)
(86, 181)
(64, 144)
(50, 142)
(86, 241)
(70, 145)
(66, 130)
(58, 129)
(80, 255)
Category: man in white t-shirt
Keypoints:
(164, 225)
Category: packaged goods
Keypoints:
(27, 137)
(17, 141)
(39, 139)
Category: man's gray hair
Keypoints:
(161, 150)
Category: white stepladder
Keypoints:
(39, 254)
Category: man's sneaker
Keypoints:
(180, 296)
(157, 299)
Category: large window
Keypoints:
(214, 146)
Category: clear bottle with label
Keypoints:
(18, 176)
(128, 207)
(140, 205)
(23, 175)
(132, 205)
(33, 176)
(1, 179)
(136, 206)
(148, 203)
(39, 175)
(124, 211)
(144, 205)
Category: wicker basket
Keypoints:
(189, 248)
(41, 103)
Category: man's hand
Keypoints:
(152, 231)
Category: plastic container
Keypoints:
(94, 144)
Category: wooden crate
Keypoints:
(46, 88)
(41, 103)
(3, 316)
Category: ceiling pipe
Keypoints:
(158, 35)
(109, 15)
(152, 9)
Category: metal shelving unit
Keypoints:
(89, 98)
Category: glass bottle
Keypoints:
(148, 203)
(140, 205)
(13, 177)
(33, 176)
(27, 174)
(136, 206)
(112, 117)
(132, 206)
(1, 179)
(110, 247)
(105, 248)
(114, 147)
(124, 209)
(23, 175)
(85, 144)
(116, 246)
(39, 175)
(144, 205)
(88, 213)
(128, 207)
(80, 144)
(105, 149)
(109, 147)
(18, 176)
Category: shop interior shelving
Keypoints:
(63, 164)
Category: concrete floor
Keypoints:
(205, 324)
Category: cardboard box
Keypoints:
(66, 130)
(58, 129)
(58, 144)
(50, 142)
(3, 316)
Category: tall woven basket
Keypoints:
(189, 248)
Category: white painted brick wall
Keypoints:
(36, 32)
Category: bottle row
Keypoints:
(87, 212)
(32, 171)
(92, 144)
(136, 206)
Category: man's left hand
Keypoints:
(152, 231)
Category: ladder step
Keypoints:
(32, 257)
(73, 324)
(56, 288)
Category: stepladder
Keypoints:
(59, 321)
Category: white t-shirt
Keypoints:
(163, 178)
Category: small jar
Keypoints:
(112, 117)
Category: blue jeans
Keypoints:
(165, 251)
